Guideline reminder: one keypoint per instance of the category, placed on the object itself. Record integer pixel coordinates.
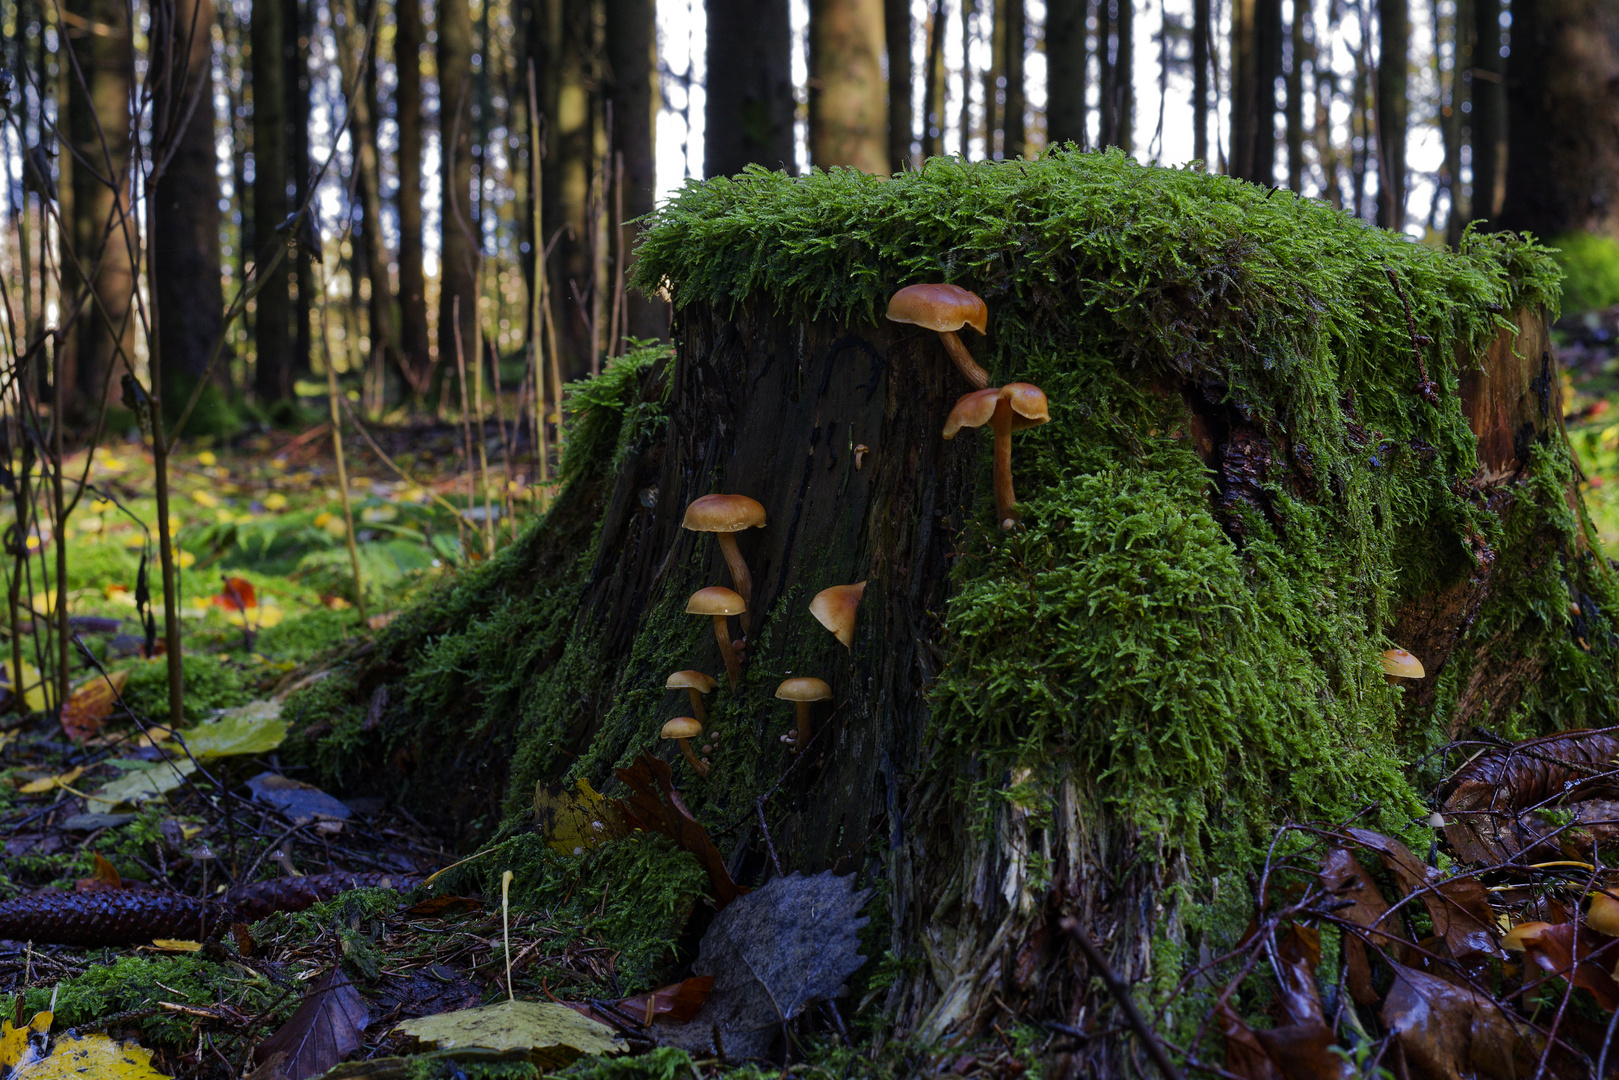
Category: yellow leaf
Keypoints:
(113, 464)
(20, 1047)
(44, 603)
(206, 458)
(32, 685)
(335, 526)
(322, 518)
(101, 506)
(173, 945)
(45, 783)
(76, 1057)
(575, 821)
(184, 559)
(275, 501)
(554, 1036)
(204, 498)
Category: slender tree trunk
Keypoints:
(750, 93)
(100, 230)
(1360, 126)
(186, 270)
(994, 11)
(1326, 88)
(897, 35)
(272, 373)
(1451, 121)
(933, 85)
(847, 101)
(1295, 96)
(572, 162)
(1065, 67)
(459, 248)
(631, 64)
(415, 348)
(1244, 88)
(968, 9)
(1200, 81)
(1394, 38)
(363, 136)
(299, 86)
(1016, 138)
(1107, 115)
(1124, 86)
(1563, 118)
(1489, 126)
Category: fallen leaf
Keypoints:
(1484, 802)
(33, 696)
(1346, 878)
(1304, 1051)
(655, 806)
(20, 1046)
(91, 703)
(254, 728)
(297, 801)
(774, 952)
(175, 945)
(1552, 950)
(106, 875)
(672, 1004)
(553, 1035)
(1460, 909)
(1449, 1031)
(1244, 1056)
(1296, 953)
(325, 1029)
(77, 1057)
(143, 781)
(46, 783)
(237, 595)
(575, 821)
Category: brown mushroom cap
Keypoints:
(835, 609)
(681, 727)
(724, 514)
(939, 308)
(1402, 665)
(803, 689)
(971, 410)
(1028, 404)
(715, 600)
(691, 680)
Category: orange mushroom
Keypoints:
(835, 609)
(1399, 664)
(1010, 408)
(697, 684)
(725, 516)
(683, 729)
(801, 692)
(944, 309)
(720, 603)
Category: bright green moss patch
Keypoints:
(1590, 263)
(136, 983)
(209, 685)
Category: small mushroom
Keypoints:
(1603, 914)
(726, 515)
(1399, 664)
(835, 609)
(720, 602)
(695, 683)
(683, 729)
(1010, 408)
(944, 309)
(801, 692)
(1519, 937)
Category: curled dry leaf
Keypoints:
(1346, 878)
(1459, 907)
(672, 1004)
(1553, 951)
(325, 1029)
(1448, 1031)
(655, 806)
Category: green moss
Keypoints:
(301, 639)
(209, 685)
(137, 983)
(1590, 264)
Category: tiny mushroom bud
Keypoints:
(697, 684)
(683, 729)
(835, 609)
(1010, 408)
(944, 309)
(1399, 664)
(720, 602)
(726, 515)
(803, 691)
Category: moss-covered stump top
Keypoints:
(1241, 482)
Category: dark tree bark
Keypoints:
(1015, 140)
(1394, 36)
(1488, 137)
(186, 273)
(933, 85)
(1115, 47)
(1563, 118)
(897, 35)
(1256, 44)
(631, 40)
(1065, 67)
(750, 95)
(993, 11)
(459, 245)
(299, 87)
(363, 135)
(848, 110)
(100, 233)
(1451, 124)
(272, 372)
(415, 348)
(1295, 95)
(1200, 81)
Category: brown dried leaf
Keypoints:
(672, 1004)
(655, 806)
(105, 878)
(1244, 1056)
(1451, 1032)
(1296, 952)
(1459, 909)
(90, 704)
(1552, 950)
(1346, 878)
(1304, 1052)
(325, 1029)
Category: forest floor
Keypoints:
(268, 597)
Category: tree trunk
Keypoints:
(460, 247)
(632, 59)
(933, 85)
(1015, 140)
(749, 114)
(363, 137)
(272, 38)
(1488, 136)
(1295, 96)
(415, 346)
(186, 272)
(1394, 37)
(1462, 52)
(572, 166)
(1065, 67)
(1200, 83)
(897, 35)
(1563, 119)
(1256, 45)
(299, 88)
(102, 236)
(848, 111)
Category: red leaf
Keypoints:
(237, 595)
(1552, 950)
(655, 806)
(105, 878)
(675, 1003)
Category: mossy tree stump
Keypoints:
(1242, 497)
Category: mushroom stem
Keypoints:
(733, 666)
(805, 731)
(964, 361)
(691, 757)
(739, 574)
(1005, 500)
(697, 709)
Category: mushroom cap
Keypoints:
(681, 727)
(1402, 665)
(724, 513)
(1603, 915)
(803, 689)
(690, 680)
(1522, 934)
(715, 600)
(938, 307)
(971, 410)
(835, 609)
(1028, 403)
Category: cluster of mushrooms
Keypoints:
(835, 608)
